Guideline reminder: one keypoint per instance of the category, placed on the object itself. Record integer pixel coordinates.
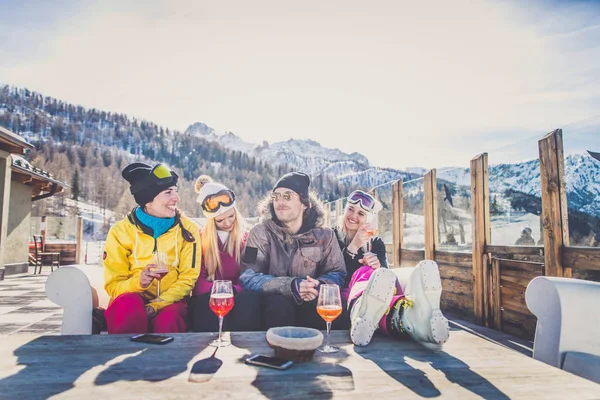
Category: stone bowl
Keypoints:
(294, 343)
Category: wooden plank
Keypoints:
(454, 303)
(519, 273)
(519, 324)
(78, 251)
(481, 232)
(328, 215)
(430, 214)
(582, 258)
(456, 272)
(515, 294)
(516, 317)
(518, 331)
(339, 209)
(496, 305)
(412, 255)
(451, 309)
(514, 305)
(397, 223)
(457, 287)
(486, 275)
(518, 265)
(454, 258)
(520, 250)
(513, 282)
(554, 203)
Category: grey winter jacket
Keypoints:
(273, 259)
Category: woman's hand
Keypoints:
(360, 239)
(371, 260)
(150, 311)
(147, 276)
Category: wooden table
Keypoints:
(113, 367)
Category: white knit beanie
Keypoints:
(205, 186)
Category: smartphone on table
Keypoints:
(270, 362)
(152, 339)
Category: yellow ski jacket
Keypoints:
(128, 250)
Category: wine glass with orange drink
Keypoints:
(329, 307)
(221, 302)
(372, 230)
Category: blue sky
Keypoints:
(429, 84)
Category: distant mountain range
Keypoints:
(308, 156)
(582, 171)
(251, 168)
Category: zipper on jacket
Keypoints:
(155, 245)
(194, 256)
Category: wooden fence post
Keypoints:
(481, 233)
(397, 222)
(328, 215)
(339, 209)
(555, 218)
(432, 237)
(496, 297)
(79, 239)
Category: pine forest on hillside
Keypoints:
(88, 148)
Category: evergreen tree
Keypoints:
(75, 185)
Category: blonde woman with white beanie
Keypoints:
(223, 239)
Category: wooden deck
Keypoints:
(113, 367)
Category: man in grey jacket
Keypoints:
(290, 254)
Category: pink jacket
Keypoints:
(230, 272)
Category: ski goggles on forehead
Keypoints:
(160, 175)
(223, 198)
(367, 202)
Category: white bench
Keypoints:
(78, 289)
(567, 335)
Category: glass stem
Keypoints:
(327, 337)
(220, 328)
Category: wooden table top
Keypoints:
(113, 367)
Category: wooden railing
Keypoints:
(488, 285)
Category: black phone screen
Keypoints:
(274, 362)
(153, 339)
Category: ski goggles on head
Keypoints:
(366, 201)
(213, 202)
(160, 175)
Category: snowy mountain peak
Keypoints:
(200, 129)
(304, 154)
(228, 139)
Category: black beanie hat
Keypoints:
(297, 181)
(145, 185)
